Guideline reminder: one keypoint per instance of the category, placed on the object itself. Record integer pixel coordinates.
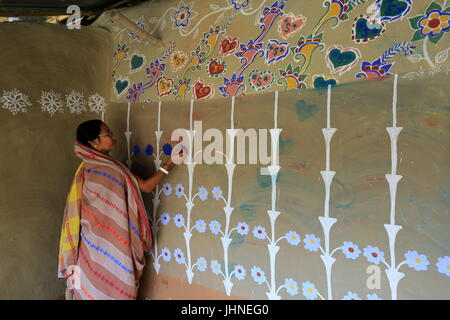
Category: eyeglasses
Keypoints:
(110, 134)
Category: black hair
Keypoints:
(88, 131)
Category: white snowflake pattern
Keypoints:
(15, 101)
(96, 103)
(51, 102)
(75, 102)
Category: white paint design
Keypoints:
(156, 196)
(128, 136)
(190, 114)
(193, 26)
(232, 114)
(158, 134)
(328, 107)
(350, 250)
(15, 101)
(272, 247)
(228, 209)
(96, 103)
(275, 113)
(394, 276)
(326, 221)
(75, 102)
(51, 102)
(373, 254)
(190, 164)
(159, 115)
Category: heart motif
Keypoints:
(121, 86)
(391, 10)
(164, 86)
(365, 30)
(216, 68)
(178, 60)
(276, 51)
(202, 90)
(340, 60)
(228, 45)
(320, 82)
(136, 62)
(290, 24)
(260, 80)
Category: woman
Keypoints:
(105, 231)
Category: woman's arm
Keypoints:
(149, 184)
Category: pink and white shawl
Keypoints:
(105, 231)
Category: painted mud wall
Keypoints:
(221, 48)
(360, 155)
(360, 150)
(45, 69)
(242, 48)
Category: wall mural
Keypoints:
(52, 102)
(350, 250)
(223, 64)
(202, 72)
(215, 226)
(164, 218)
(218, 64)
(260, 233)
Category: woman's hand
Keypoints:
(169, 164)
(149, 184)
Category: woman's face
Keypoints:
(105, 141)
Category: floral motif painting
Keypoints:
(231, 44)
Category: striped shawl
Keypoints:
(105, 231)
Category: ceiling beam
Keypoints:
(117, 4)
(17, 12)
(89, 14)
